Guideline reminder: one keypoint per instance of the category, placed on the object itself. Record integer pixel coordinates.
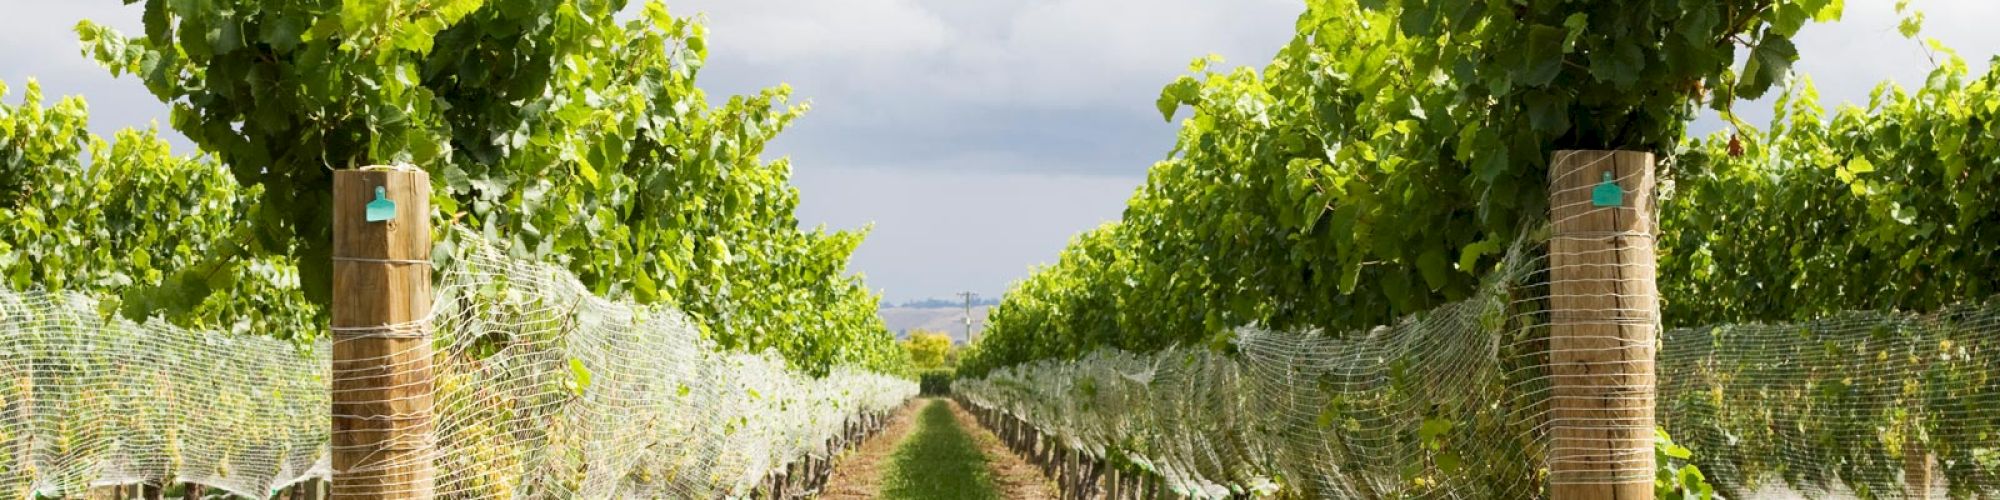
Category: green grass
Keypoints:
(938, 460)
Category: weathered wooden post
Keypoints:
(1916, 468)
(382, 441)
(1604, 322)
(1111, 485)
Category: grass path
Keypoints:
(932, 449)
(1013, 476)
(938, 461)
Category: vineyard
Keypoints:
(619, 301)
(542, 389)
(1387, 282)
(1431, 249)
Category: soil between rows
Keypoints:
(859, 474)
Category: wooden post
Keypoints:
(1093, 476)
(1071, 479)
(1063, 475)
(1604, 320)
(1111, 484)
(381, 351)
(1604, 312)
(1916, 469)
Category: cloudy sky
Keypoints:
(978, 136)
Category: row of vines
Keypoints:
(573, 132)
(1335, 190)
(1888, 207)
(1378, 165)
(1386, 160)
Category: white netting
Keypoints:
(88, 401)
(662, 414)
(1497, 396)
(542, 390)
(1858, 404)
(1456, 403)
(1489, 397)
(1423, 408)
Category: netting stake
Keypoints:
(381, 415)
(1603, 325)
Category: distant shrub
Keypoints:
(936, 382)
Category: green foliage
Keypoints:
(580, 137)
(928, 350)
(1677, 479)
(1375, 167)
(126, 219)
(1884, 208)
(934, 382)
(933, 358)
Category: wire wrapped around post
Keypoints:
(1604, 325)
(382, 388)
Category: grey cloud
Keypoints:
(938, 233)
(1057, 83)
(983, 138)
(37, 41)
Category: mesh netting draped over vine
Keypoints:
(1459, 402)
(586, 398)
(1439, 404)
(1841, 406)
(541, 389)
(86, 400)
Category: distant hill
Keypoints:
(954, 303)
(950, 320)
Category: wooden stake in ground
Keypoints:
(381, 349)
(1604, 321)
(1916, 469)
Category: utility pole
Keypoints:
(969, 297)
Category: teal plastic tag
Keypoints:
(382, 209)
(1607, 194)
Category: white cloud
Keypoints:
(41, 33)
(785, 32)
(1081, 52)
(1043, 53)
(1848, 58)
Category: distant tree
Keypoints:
(927, 349)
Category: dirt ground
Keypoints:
(857, 474)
